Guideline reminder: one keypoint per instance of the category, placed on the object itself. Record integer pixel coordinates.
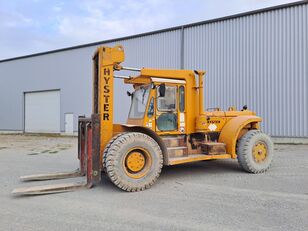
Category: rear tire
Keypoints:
(133, 161)
(255, 151)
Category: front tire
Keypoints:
(255, 151)
(133, 161)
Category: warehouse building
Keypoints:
(258, 58)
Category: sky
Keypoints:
(32, 26)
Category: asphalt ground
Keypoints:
(209, 195)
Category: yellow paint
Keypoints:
(259, 152)
(200, 91)
(191, 94)
(231, 130)
(108, 57)
(229, 124)
(203, 123)
(150, 120)
(137, 162)
(194, 158)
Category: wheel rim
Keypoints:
(137, 162)
(259, 152)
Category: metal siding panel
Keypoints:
(153, 51)
(71, 71)
(156, 51)
(260, 60)
(304, 65)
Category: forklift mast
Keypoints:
(105, 60)
(99, 129)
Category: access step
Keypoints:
(177, 151)
(174, 141)
(213, 148)
(196, 157)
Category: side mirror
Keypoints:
(162, 90)
(129, 94)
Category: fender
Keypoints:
(231, 131)
(118, 128)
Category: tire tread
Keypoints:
(244, 150)
(113, 149)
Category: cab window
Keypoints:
(182, 98)
(151, 108)
(168, 102)
(139, 102)
(167, 119)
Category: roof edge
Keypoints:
(248, 13)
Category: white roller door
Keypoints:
(42, 112)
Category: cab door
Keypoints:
(167, 110)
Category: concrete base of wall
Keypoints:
(69, 134)
(10, 132)
(290, 140)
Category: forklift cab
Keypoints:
(159, 106)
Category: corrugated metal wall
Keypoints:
(260, 60)
(70, 71)
(160, 50)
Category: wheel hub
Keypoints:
(135, 161)
(259, 152)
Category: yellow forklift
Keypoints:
(166, 125)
